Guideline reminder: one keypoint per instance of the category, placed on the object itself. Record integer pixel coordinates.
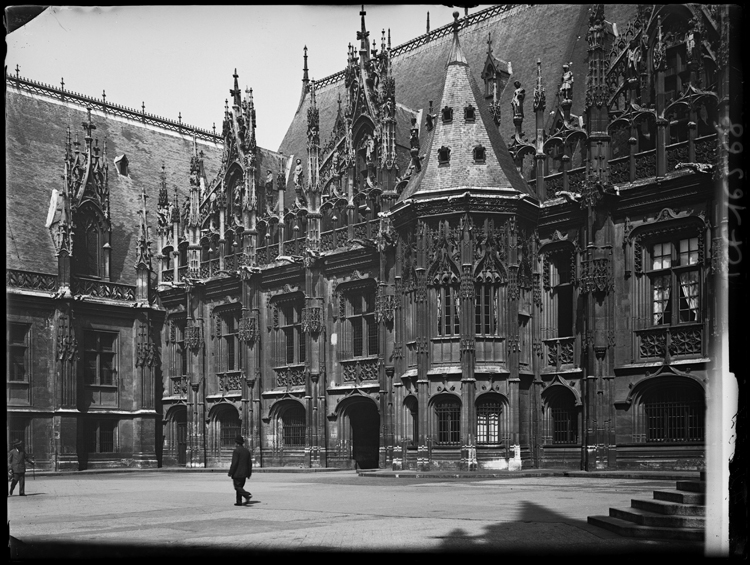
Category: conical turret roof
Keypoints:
(467, 135)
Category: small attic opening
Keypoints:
(447, 114)
(480, 154)
(121, 164)
(470, 114)
(444, 155)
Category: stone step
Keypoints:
(669, 508)
(692, 486)
(631, 530)
(680, 496)
(648, 518)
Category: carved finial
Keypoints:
(489, 43)
(428, 22)
(143, 107)
(236, 92)
(88, 126)
(305, 79)
(17, 70)
(104, 96)
(363, 34)
(539, 97)
(62, 84)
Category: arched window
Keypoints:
(87, 249)
(448, 421)
(411, 421)
(674, 413)
(491, 420)
(229, 427)
(293, 426)
(560, 416)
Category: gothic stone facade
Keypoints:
(413, 282)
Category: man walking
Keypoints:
(241, 469)
(17, 459)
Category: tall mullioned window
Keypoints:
(100, 358)
(290, 326)
(675, 282)
(360, 321)
(448, 311)
(18, 352)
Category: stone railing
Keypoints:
(359, 370)
(101, 289)
(178, 386)
(653, 343)
(560, 351)
(230, 381)
(293, 375)
(30, 280)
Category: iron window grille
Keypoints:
(564, 423)
(293, 427)
(489, 415)
(448, 413)
(674, 415)
(229, 428)
(102, 436)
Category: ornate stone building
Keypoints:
(412, 281)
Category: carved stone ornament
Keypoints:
(312, 320)
(248, 329)
(193, 337)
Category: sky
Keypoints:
(180, 59)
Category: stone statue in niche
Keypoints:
(566, 88)
(300, 200)
(517, 102)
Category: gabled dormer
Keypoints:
(80, 222)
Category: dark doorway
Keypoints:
(365, 422)
(180, 429)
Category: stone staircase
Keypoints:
(677, 514)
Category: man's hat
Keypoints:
(239, 439)
(17, 442)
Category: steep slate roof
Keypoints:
(35, 133)
(554, 33)
(498, 171)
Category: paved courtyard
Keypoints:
(193, 513)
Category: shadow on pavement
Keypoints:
(540, 531)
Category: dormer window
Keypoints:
(447, 115)
(444, 155)
(121, 164)
(480, 154)
(469, 114)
